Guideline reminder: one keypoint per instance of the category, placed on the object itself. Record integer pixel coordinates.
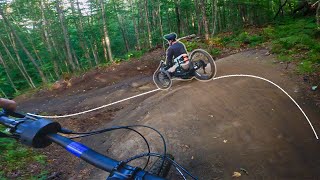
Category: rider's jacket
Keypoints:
(174, 51)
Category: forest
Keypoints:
(43, 41)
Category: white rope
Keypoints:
(261, 78)
(95, 109)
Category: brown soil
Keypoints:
(213, 129)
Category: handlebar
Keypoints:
(40, 133)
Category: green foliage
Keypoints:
(244, 37)
(233, 44)
(135, 54)
(306, 67)
(283, 57)
(215, 52)
(15, 157)
(256, 40)
(293, 40)
(191, 45)
(296, 40)
(268, 32)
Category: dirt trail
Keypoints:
(213, 128)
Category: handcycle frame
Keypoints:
(163, 79)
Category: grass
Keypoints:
(16, 159)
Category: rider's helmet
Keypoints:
(170, 37)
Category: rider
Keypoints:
(8, 104)
(176, 51)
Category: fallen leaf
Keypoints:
(225, 141)
(236, 174)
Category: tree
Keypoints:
(204, 19)
(44, 79)
(6, 69)
(177, 9)
(22, 70)
(317, 12)
(136, 30)
(281, 5)
(215, 16)
(148, 24)
(106, 39)
(65, 34)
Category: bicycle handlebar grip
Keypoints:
(8, 104)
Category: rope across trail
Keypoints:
(158, 89)
(97, 108)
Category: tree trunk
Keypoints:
(215, 9)
(148, 24)
(105, 32)
(94, 52)
(187, 22)
(46, 37)
(135, 26)
(76, 59)
(65, 35)
(5, 67)
(12, 41)
(60, 55)
(196, 6)
(141, 25)
(43, 78)
(16, 64)
(225, 24)
(83, 40)
(177, 9)
(318, 15)
(154, 13)
(160, 23)
(29, 41)
(204, 18)
(4, 94)
(56, 55)
(192, 23)
(121, 26)
(169, 23)
(78, 24)
(280, 8)
(219, 19)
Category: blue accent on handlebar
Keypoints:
(76, 148)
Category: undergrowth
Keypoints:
(16, 160)
(296, 40)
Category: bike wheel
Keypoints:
(202, 64)
(162, 79)
(158, 169)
